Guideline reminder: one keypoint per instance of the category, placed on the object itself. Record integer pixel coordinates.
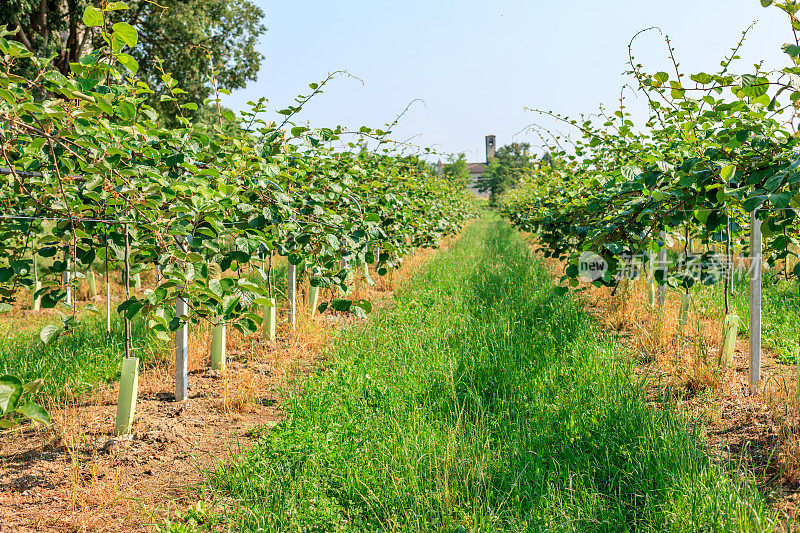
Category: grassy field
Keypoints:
(481, 402)
(77, 362)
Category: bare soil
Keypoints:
(77, 476)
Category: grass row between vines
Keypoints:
(480, 402)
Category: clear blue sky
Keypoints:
(476, 65)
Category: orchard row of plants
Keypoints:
(715, 147)
(91, 175)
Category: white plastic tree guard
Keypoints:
(218, 346)
(730, 328)
(128, 394)
(66, 279)
(313, 300)
(270, 314)
(92, 283)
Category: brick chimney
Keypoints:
(490, 147)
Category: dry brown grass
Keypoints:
(240, 392)
(758, 429)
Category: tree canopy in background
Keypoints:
(189, 39)
(505, 168)
(456, 170)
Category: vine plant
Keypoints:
(714, 148)
(88, 163)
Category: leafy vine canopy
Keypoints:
(89, 160)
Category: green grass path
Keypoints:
(480, 402)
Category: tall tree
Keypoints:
(457, 171)
(505, 168)
(191, 39)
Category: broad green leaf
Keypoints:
(50, 333)
(792, 49)
(92, 17)
(33, 386)
(35, 412)
(727, 173)
(127, 32)
(10, 392)
(115, 6)
(128, 62)
(229, 304)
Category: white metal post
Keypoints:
(291, 292)
(181, 352)
(755, 299)
(661, 263)
(37, 285)
(66, 279)
(108, 305)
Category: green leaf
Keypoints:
(361, 308)
(229, 304)
(35, 412)
(701, 78)
(128, 62)
(127, 32)
(781, 200)
(727, 173)
(10, 392)
(661, 77)
(753, 202)
(115, 6)
(50, 333)
(33, 386)
(215, 286)
(92, 17)
(340, 304)
(792, 49)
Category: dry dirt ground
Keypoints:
(76, 476)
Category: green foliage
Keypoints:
(188, 39)
(194, 40)
(97, 158)
(457, 171)
(506, 168)
(78, 360)
(481, 402)
(715, 147)
(15, 405)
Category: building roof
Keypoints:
(476, 168)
